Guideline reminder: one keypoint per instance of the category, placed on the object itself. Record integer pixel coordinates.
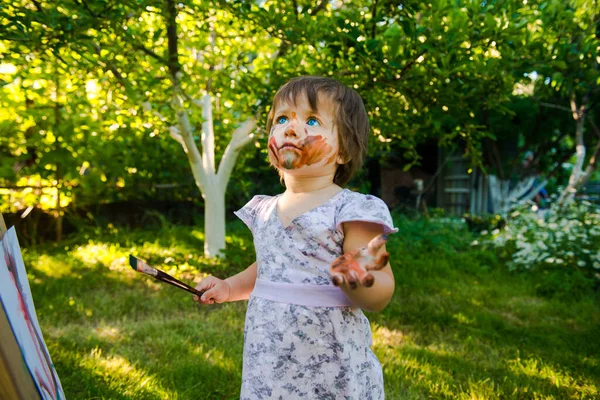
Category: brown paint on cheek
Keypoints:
(330, 159)
(313, 149)
(273, 152)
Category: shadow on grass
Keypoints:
(103, 369)
(115, 333)
(457, 325)
(488, 329)
(436, 373)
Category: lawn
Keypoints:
(460, 326)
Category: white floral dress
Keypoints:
(293, 351)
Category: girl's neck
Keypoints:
(306, 184)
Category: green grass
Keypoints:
(459, 326)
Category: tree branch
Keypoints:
(373, 17)
(595, 127)
(208, 136)
(591, 167)
(173, 58)
(240, 138)
(319, 7)
(549, 105)
(149, 52)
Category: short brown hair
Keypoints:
(352, 121)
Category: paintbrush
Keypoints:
(141, 266)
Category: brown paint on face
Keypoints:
(330, 160)
(314, 149)
(310, 151)
(273, 152)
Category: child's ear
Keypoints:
(341, 159)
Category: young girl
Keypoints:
(320, 255)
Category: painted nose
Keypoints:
(291, 129)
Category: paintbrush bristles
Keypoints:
(141, 266)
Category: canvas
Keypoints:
(17, 302)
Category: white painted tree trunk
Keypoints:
(577, 174)
(214, 218)
(212, 183)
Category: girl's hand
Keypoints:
(215, 290)
(353, 267)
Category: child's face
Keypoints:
(302, 140)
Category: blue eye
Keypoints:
(281, 120)
(312, 122)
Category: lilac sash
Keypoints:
(301, 294)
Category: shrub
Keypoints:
(488, 222)
(568, 237)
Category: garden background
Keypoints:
(137, 127)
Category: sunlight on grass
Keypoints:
(383, 336)
(51, 267)
(109, 333)
(215, 357)
(463, 319)
(425, 373)
(122, 376)
(535, 368)
(480, 390)
(198, 234)
(443, 336)
(110, 255)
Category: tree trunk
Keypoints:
(569, 192)
(214, 219)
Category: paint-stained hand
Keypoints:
(353, 267)
(215, 290)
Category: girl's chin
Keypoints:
(310, 170)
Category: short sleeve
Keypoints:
(249, 212)
(366, 208)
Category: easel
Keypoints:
(15, 380)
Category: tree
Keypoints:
(567, 48)
(171, 46)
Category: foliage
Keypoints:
(422, 68)
(485, 222)
(458, 326)
(564, 239)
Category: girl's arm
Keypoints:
(237, 287)
(242, 284)
(357, 235)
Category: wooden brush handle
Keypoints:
(164, 277)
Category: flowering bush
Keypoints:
(566, 237)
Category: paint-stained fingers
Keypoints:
(368, 280)
(337, 279)
(338, 264)
(376, 243)
(380, 262)
(353, 279)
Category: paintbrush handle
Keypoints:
(164, 277)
